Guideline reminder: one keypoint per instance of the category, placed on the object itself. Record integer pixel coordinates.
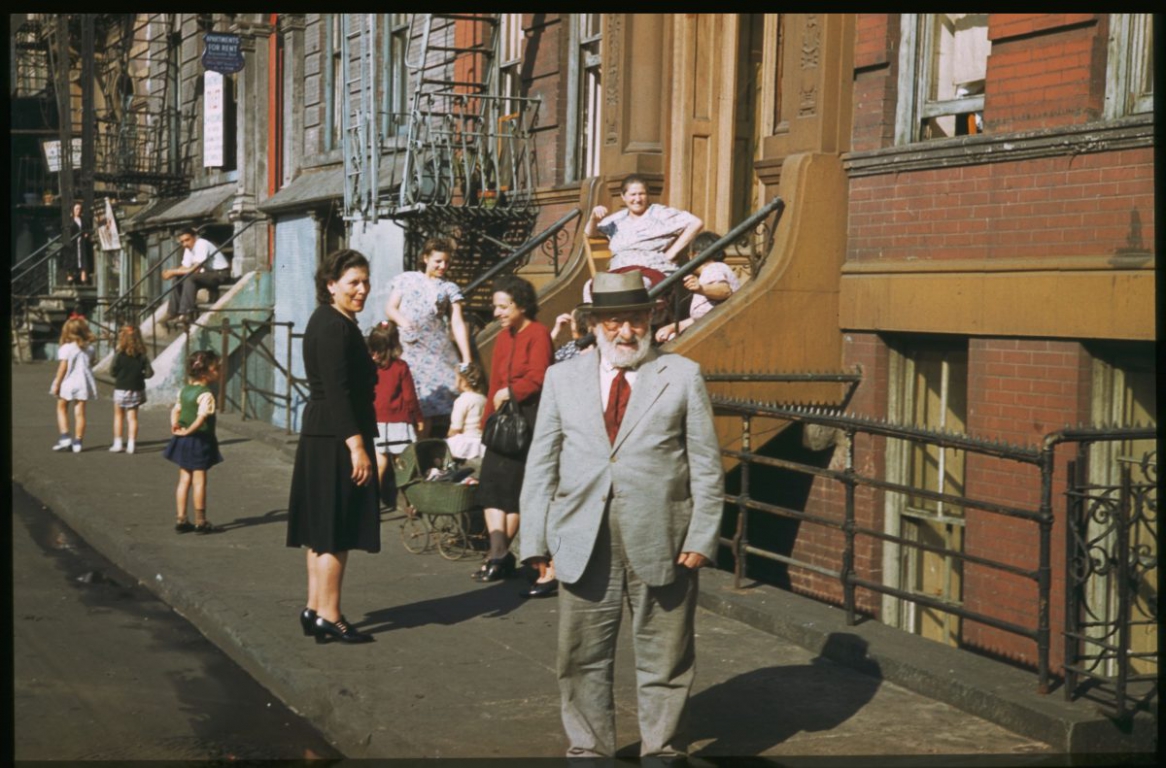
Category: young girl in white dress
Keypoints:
(74, 382)
(465, 423)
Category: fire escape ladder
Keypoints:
(466, 140)
(361, 134)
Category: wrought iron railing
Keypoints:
(754, 225)
(1111, 572)
(1135, 506)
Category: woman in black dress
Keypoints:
(80, 264)
(334, 504)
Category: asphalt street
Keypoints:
(103, 670)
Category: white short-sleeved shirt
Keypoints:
(713, 272)
(199, 253)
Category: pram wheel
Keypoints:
(414, 532)
(452, 540)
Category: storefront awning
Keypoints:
(316, 186)
(200, 205)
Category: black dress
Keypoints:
(82, 257)
(327, 511)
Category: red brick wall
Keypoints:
(1045, 70)
(875, 70)
(1057, 206)
(1019, 390)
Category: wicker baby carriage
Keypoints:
(437, 512)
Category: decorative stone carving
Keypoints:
(807, 100)
(612, 38)
(811, 41)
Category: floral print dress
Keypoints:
(642, 240)
(428, 349)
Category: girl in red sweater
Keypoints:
(399, 418)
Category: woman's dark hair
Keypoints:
(521, 292)
(333, 267)
(384, 343)
(630, 179)
(443, 244)
(199, 363)
(187, 231)
(702, 241)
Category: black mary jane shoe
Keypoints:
(497, 569)
(541, 589)
(308, 622)
(341, 631)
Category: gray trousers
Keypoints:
(590, 612)
(184, 300)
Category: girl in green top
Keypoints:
(194, 446)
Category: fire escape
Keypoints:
(119, 118)
(464, 165)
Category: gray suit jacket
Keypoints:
(663, 473)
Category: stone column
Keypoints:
(251, 148)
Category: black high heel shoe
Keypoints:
(340, 630)
(308, 622)
(496, 569)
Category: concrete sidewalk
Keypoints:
(467, 670)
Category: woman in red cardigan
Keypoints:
(522, 354)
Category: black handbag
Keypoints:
(507, 431)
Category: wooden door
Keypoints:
(704, 77)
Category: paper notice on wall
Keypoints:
(212, 120)
(107, 232)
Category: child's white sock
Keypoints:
(130, 447)
(116, 447)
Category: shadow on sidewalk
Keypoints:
(492, 602)
(755, 711)
(274, 516)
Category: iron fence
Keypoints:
(1091, 644)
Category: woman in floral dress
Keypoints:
(426, 308)
(643, 234)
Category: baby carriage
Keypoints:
(437, 504)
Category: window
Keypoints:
(929, 389)
(943, 60)
(333, 80)
(395, 77)
(1129, 77)
(584, 96)
(509, 58)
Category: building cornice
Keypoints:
(1127, 133)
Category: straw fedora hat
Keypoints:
(618, 292)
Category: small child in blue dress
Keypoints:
(194, 446)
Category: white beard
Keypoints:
(619, 356)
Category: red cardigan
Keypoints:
(526, 355)
(396, 397)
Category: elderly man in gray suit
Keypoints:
(624, 489)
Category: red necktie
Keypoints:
(617, 403)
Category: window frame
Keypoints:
(916, 73)
(901, 563)
(394, 74)
(1129, 64)
(584, 97)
